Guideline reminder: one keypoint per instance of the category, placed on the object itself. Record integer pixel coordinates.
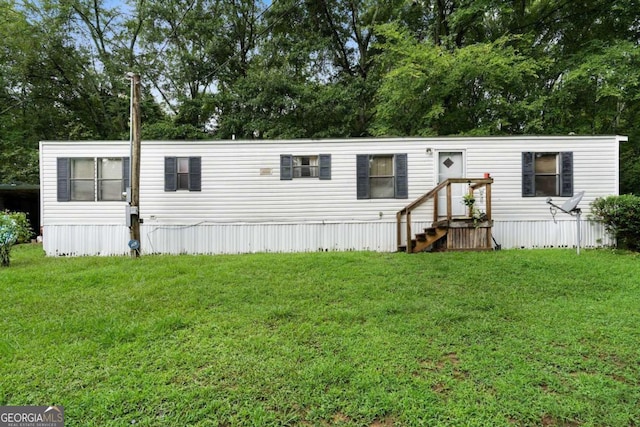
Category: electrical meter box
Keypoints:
(128, 212)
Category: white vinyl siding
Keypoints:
(244, 206)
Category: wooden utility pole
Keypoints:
(135, 166)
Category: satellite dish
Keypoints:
(570, 207)
(572, 203)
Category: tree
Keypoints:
(477, 89)
(327, 68)
(62, 66)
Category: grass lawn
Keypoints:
(509, 338)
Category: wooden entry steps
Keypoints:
(459, 234)
(426, 239)
(450, 233)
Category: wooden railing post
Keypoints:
(449, 215)
(409, 243)
(398, 229)
(488, 202)
(471, 194)
(435, 208)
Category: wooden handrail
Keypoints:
(474, 184)
(420, 200)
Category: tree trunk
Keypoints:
(4, 256)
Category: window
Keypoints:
(314, 166)
(547, 174)
(89, 179)
(182, 173)
(81, 182)
(305, 166)
(382, 176)
(110, 185)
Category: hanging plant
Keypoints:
(468, 200)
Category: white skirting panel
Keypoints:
(226, 238)
(78, 240)
(211, 238)
(547, 234)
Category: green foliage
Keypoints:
(621, 217)
(23, 229)
(526, 338)
(630, 166)
(168, 130)
(325, 68)
(14, 228)
(8, 237)
(477, 89)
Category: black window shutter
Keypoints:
(126, 166)
(195, 174)
(402, 177)
(286, 166)
(325, 166)
(63, 175)
(362, 176)
(170, 174)
(566, 174)
(528, 175)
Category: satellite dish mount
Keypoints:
(569, 207)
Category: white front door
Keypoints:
(451, 165)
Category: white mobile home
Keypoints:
(214, 197)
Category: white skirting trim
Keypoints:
(225, 238)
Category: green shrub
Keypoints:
(8, 236)
(23, 228)
(621, 217)
(14, 228)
